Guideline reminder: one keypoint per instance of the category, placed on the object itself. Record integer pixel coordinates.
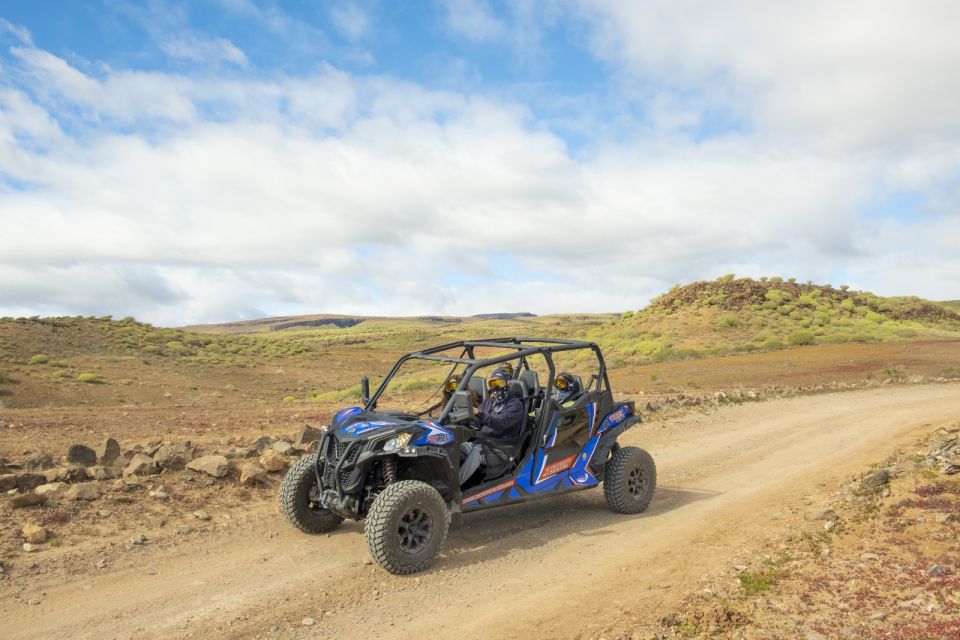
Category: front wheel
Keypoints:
(406, 525)
(300, 499)
(629, 480)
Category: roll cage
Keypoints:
(516, 348)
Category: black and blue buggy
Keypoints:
(397, 467)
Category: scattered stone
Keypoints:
(39, 461)
(81, 454)
(283, 447)
(944, 517)
(216, 466)
(272, 461)
(159, 493)
(251, 474)
(87, 491)
(51, 487)
(108, 452)
(141, 465)
(869, 556)
(29, 547)
(307, 436)
(875, 480)
(819, 513)
(829, 525)
(201, 515)
(307, 622)
(174, 455)
(27, 500)
(262, 443)
(101, 473)
(825, 553)
(139, 539)
(57, 474)
(8, 481)
(119, 485)
(875, 617)
(34, 533)
(30, 481)
(937, 570)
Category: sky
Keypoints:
(218, 160)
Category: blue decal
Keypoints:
(362, 427)
(435, 435)
(343, 414)
(580, 473)
(613, 419)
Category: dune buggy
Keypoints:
(398, 468)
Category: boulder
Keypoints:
(27, 500)
(39, 461)
(272, 461)
(101, 473)
(30, 481)
(8, 481)
(819, 513)
(34, 534)
(174, 455)
(141, 465)
(876, 479)
(57, 474)
(251, 474)
(51, 487)
(216, 466)
(283, 447)
(262, 443)
(81, 454)
(108, 452)
(87, 491)
(307, 436)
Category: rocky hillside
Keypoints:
(738, 315)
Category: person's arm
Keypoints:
(498, 424)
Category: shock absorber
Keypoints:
(389, 469)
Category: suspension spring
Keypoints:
(389, 470)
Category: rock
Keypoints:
(251, 474)
(876, 479)
(819, 513)
(34, 534)
(201, 515)
(87, 491)
(119, 485)
(8, 481)
(307, 437)
(174, 455)
(874, 617)
(57, 474)
(29, 547)
(139, 539)
(27, 500)
(944, 517)
(30, 481)
(81, 454)
(307, 622)
(283, 447)
(51, 487)
(825, 553)
(272, 461)
(262, 443)
(108, 452)
(216, 466)
(101, 473)
(829, 525)
(869, 556)
(159, 493)
(39, 461)
(141, 465)
(937, 570)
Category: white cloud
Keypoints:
(350, 20)
(474, 20)
(202, 50)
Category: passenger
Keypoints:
(501, 418)
(566, 389)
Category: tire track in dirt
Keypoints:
(729, 481)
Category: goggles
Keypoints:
(560, 383)
(497, 383)
(452, 385)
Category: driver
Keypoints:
(501, 417)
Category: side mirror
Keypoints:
(365, 390)
(462, 407)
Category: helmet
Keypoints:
(451, 385)
(566, 385)
(498, 383)
(506, 367)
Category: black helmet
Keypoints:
(566, 385)
(498, 382)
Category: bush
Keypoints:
(289, 399)
(626, 314)
(728, 320)
(89, 378)
(801, 338)
(3, 377)
(772, 344)
(39, 359)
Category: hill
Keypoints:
(730, 315)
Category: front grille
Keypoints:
(332, 456)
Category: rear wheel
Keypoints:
(300, 499)
(629, 480)
(406, 525)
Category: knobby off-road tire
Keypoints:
(406, 525)
(629, 480)
(298, 495)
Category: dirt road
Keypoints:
(560, 568)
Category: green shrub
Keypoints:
(754, 582)
(88, 377)
(61, 374)
(728, 320)
(801, 338)
(3, 377)
(289, 399)
(772, 344)
(39, 359)
(626, 315)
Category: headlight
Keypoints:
(324, 428)
(397, 442)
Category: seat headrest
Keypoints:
(529, 378)
(517, 389)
